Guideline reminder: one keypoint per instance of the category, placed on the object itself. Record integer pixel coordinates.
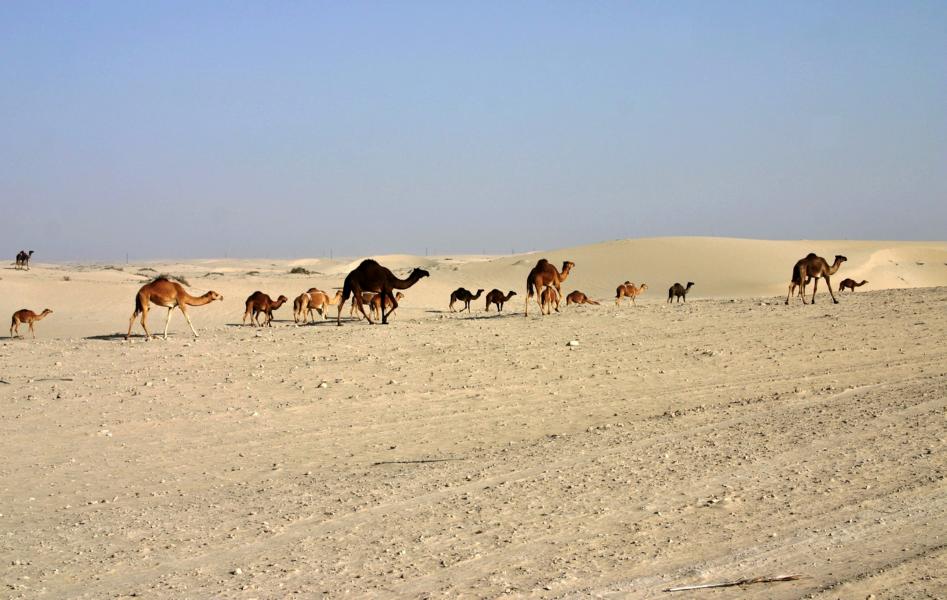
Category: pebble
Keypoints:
(573, 343)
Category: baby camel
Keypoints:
(549, 299)
(496, 297)
(374, 305)
(168, 294)
(463, 295)
(630, 290)
(29, 317)
(259, 303)
(314, 299)
(850, 284)
(578, 297)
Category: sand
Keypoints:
(480, 455)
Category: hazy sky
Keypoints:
(269, 129)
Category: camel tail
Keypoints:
(138, 307)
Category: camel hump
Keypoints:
(811, 255)
(542, 262)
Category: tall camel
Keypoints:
(629, 290)
(259, 303)
(544, 274)
(168, 294)
(23, 259)
(29, 317)
(578, 297)
(679, 291)
(463, 295)
(496, 297)
(370, 276)
(813, 267)
(850, 284)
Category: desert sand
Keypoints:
(482, 455)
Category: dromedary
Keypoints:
(813, 267)
(496, 297)
(463, 295)
(550, 299)
(679, 291)
(374, 305)
(29, 317)
(23, 259)
(542, 275)
(629, 290)
(168, 294)
(259, 303)
(578, 297)
(850, 284)
(313, 300)
(370, 276)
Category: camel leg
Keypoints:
(386, 294)
(14, 326)
(187, 317)
(361, 308)
(247, 314)
(815, 286)
(168, 322)
(32, 330)
(831, 293)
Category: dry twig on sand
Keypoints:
(735, 583)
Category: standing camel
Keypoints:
(29, 317)
(314, 299)
(578, 297)
(813, 267)
(496, 297)
(550, 299)
(463, 295)
(23, 259)
(370, 276)
(544, 274)
(679, 291)
(374, 305)
(629, 290)
(850, 284)
(168, 294)
(259, 303)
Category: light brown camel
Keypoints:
(259, 303)
(370, 276)
(29, 317)
(679, 291)
(374, 305)
(542, 275)
(850, 284)
(629, 290)
(496, 297)
(578, 297)
(550, 299)
(463, 295)
(813, 267)
(366, 299)
(168, 294)
(313, 300)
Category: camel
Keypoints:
(313, 299)
(463, 295)
(23, 259)
(370, 276)
(496, 297)
(679, 291)
(550, 299)
(366, 299)
(542, 275)
(850, 284)
(168, 294)
(578, 297)
(630, 290)
(813, 267)
(29, 317)
(259, 303)
(374, 305)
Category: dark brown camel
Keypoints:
(29, 317)
(370, 276)
(170, 295)
(496, 297)
(463, 295)
(542, 275)
(259, 303)
(679, 291)
(850, 284)
(23, 259)
(578, 297)
(813, 267)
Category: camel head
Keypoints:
(567, 266)
(46, 311)
(690, 284)
(213, 296)
(399, 296)
(418, 273)
(512, 293)
(839, 259)
(643, 287)
(30, 253)
(281, 300)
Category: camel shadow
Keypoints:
(111, 337)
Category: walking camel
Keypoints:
(168, 294)
(29, 317)
(259, 303)
(496, 297)
(366, 299)
(313, 299)
(23, 259)
(370, 276)
(629, 290)
(463, 295)
(813, 267)
(850, 284)
(374, 305)
(679, 291)
(578, 297)
(542, 275)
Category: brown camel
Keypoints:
(29, 317)
(259, 303)
(366, 299)
(374, 305)
(679, 291)
(629, 290)
(463, 295)
(370, 276)
(578, 297)
(314, 299)
(813, 267)
(850, 284)
(168, 294)
(542, 275)
(496, 297)
(550, 299)
(23, 259)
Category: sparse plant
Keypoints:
(170, 277)
(299, 271)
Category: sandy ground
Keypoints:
(479, 455)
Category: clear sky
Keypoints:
(286, 129)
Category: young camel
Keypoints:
(679, 291)
(850, 284)
(259, 303)
(314, 299)
(463, 295)
(578, 297)
(168, 294)
(370, 276)
(496, 297)
(374, 305)
(550, 299)
(813, 267)
(629, 290)
(542, 275)
(29, 317)
(366, 299)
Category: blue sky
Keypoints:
(288, 129)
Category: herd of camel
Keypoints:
(377, 287)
